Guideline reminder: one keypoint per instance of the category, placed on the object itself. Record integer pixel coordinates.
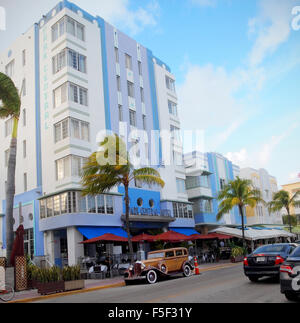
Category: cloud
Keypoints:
(119, 13)
(271, 28)
(239, 158)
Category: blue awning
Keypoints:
(95, 232)
(185, 231)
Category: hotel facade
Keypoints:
(79, 76)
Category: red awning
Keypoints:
(172, 236)
(143, 237)
(108, 237)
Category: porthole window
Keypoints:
(151, 203)
(30, 216)
(140, 202)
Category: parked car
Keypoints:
(266, 260)
(160, 264)
(290, 276)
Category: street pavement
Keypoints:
(220, 285)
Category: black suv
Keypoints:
(266, 261)
(290, 276)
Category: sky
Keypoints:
(236, 63)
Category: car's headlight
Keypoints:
(130, 268)
(143, 266)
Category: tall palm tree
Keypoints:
(282, 200)
(99, 178)
(240, 193)
(10, 106)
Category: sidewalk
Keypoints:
(93, 285)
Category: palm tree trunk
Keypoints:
(10, 192)
(128, 223)
(290, 220)
(243, 225)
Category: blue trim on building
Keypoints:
(156, 125)
(101, 24)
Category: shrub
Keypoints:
(71, 273)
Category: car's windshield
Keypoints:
(156, 255)
(296, 253)
(271, 249)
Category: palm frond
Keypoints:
(150, 180)
(10, 98)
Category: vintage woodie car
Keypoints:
(160, 264)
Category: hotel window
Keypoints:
(180, 185)
(78, 94)
(140, 68)
(60, 95)
(101, 204)
(173, 108)
(119, 83)
(170, 84)
(120, 113)
(69, 166)
(71, 127)
(24, 57)
(24, 149)
(222, 183)
(25, 182)
(132, 118)
(24, 117)
(10, 68)
(56, 205)
(77, 61)
(24, 90)
(117, 55)
(91, 204)
(69, 25)
(59, 62)
(175, 132)
(109, 204)
(144, 122)
(142, 95)
(130, 87)
(9, 127)
(128, 62)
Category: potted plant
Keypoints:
(72, 278)
(49, 281)
(237, 254)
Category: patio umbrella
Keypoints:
(18, 246)
(143, 238)
(108, 237)
(172, 236)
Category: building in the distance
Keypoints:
(206, 175)
(79, 76)
(267, 185)
(292, 189)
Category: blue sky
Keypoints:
(236, 62)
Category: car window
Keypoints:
(185, 252)
(296, 252)
(156, 255)
(179, 253)
(169, 254)
(271, 248)
(292, 250)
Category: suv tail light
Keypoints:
(286, 269)
(279, 260)
(246, 261)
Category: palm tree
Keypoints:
(282, 200)
(99, 178)
(10, 105)
(240, 193)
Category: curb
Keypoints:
(40, 298)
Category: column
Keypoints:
(75, 249)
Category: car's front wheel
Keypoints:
(187, 271)
(152, 277)
(293, 297)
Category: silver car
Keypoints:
(290, 277)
